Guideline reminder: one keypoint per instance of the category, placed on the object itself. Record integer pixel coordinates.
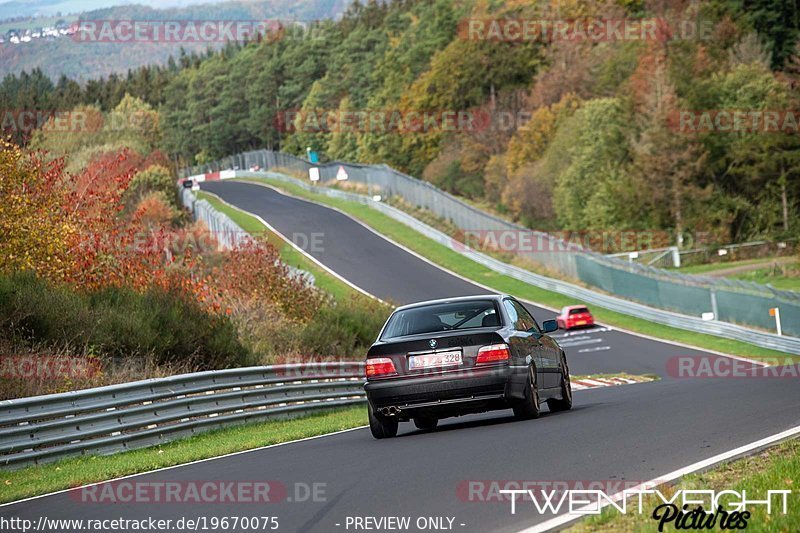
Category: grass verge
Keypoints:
(777, 468)
(289, 254)
(42, 479)
(713, 267)
(783, 277)
(457, 263)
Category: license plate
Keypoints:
(434, 360)
(581, 322)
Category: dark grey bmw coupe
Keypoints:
(471, 354)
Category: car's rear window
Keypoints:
(442, 317)
(578, 310)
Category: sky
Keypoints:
(31, 8)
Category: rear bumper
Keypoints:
(587, 324)
(450, 390)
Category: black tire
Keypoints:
(425, 423)
(528, 408)
(565, 403)
(382, 427)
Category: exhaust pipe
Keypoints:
(392, 410)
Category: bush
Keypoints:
(154, 178)
(154, 209)
(337, 330)
(344, 329)
(115, 322)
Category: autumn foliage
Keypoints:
(73, 229)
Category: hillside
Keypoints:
(90, 60)
(16, 9)
(561, 131)
(581, 133)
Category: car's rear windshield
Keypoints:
(435, 318)
(578, 310)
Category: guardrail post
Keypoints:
(776, 312)
(714, 308)
(676, 257)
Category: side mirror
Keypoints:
(549, 326)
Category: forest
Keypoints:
(575, 133)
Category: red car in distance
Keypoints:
(575, 316)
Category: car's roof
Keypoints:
(454, 299)
(567, 308)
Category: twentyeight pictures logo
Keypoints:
(681, 509)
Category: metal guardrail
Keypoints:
(733, 301)
(620, 305)
(550, 252)
(115, 418)
(226, 232)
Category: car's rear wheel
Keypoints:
(382, 427)
(565, 403)
(426, 423)
(529, 407)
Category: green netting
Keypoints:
(657, 288)
(687, 299)
(753, 309)
(732, 306)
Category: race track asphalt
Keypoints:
(379, 267)
(628, 434)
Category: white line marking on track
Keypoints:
(295, 246)
(596, 349)
(576, 385)
(748, 449)
(581, 332)
(580, 343)
(185, 464)
(601, 327)
(561, 520)
(573, 339)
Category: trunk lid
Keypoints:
(466, 343)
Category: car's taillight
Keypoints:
(493, 353)
(380, 366)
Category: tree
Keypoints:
(754, 168)
(778, 21)
(666, 163)
(594, 189)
